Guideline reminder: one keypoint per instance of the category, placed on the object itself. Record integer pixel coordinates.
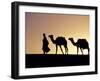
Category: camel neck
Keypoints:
(52, 39)
(73, 42)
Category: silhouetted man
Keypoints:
(45, 47)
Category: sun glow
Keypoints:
(76, 26)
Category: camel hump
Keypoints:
(83, 43)
(61, 38)
(82, 40)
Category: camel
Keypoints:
(81, 43)
(59, 41)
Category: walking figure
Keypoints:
(45, 47)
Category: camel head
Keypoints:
(70, 39)
(52, 39)
(51, 36)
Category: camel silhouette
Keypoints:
(59, 41)
(81, 43)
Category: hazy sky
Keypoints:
(76, 26)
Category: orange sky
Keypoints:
(76, 26)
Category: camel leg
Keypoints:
(88, 51)
(61, 50)
(66, 50)
(43, 52)
(81, 51)
(56, 48)
(77, 50)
